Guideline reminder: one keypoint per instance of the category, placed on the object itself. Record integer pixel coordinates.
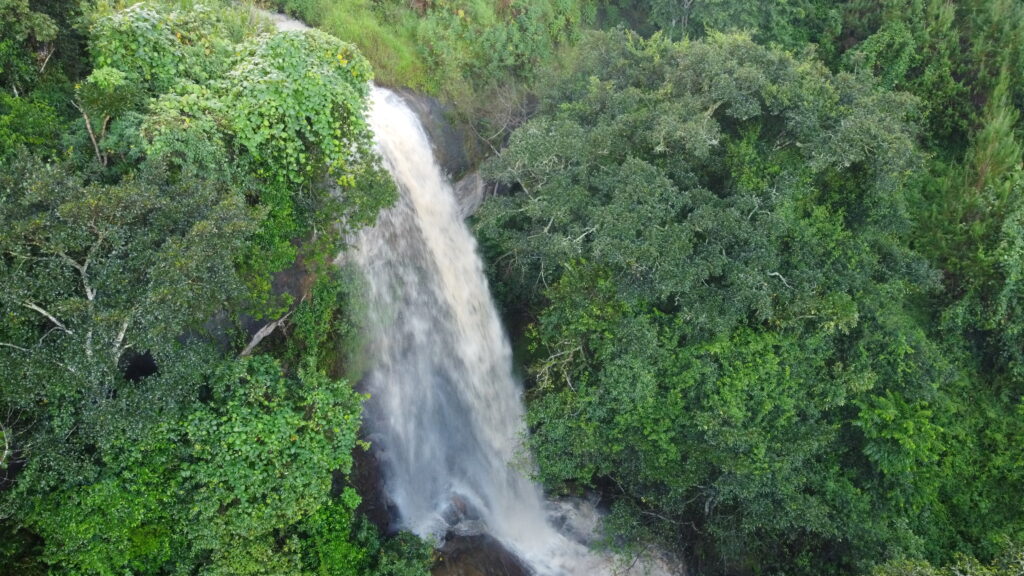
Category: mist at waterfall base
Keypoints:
(445, 413)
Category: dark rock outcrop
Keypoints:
(479, 555)
(453, 143)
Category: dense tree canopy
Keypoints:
(143, 220)
(764, 262)
(711, 244)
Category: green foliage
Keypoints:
(329, 531)
(789, 23)
(133, 440)
(113, 524)
(285, 109)
(294, 104)
(1009, 563)
(449, 47)
(23, 31)
(948, 54)
(324, 326)
(969, 228)
(344, 544)
(291, 88)
(92, 275)
(632, 155)
(158, 48)
(1008, 314)
(229, 487)
(19, 552)
(133, 263)
(486, 48)
(262, 454)
(711, 238)
(384, 33)
(725, 255)
(28, 123)
(951, 56)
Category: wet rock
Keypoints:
(296, 282)
(479, 555)
(578, 519)
(366, 479)
(469, 193)
(453, 144)
(462, 518)
(469, 528)
(283, 22)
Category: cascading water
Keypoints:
(445, 412)
(446, 409)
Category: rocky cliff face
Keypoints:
(454, 147)
(453, 144)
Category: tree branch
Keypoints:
(590, 230)
(56, 322)
(120, 339)
(7, 447)
(263, 333)
(7, 345)
(83, 270)
(780, 277)
(659, 516)
(49, 54)
(92, 135)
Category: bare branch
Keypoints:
(72, 262)
(83, 268)
(590, 230)
(263, 333)
(92, 135)
(558, 360)
(49, 54)
(56, 322)
(780, 277)
(7, 445)
(546, 228)
(665, 518)
(120, 339)
(103, 133)
(7, 345)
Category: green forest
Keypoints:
(762, 264)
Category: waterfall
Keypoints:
(445, 411)
(446, 407)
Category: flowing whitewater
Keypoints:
(446, 408)
(445, 412)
